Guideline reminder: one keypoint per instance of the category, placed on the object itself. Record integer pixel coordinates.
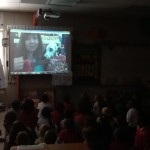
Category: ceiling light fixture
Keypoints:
(49, 15)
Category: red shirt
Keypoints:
(29, 120)
(142, 139)
(116, 145)
(68, 136)
(81, 118)
(57, 117)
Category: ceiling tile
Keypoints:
(63, 2)
(13, 1)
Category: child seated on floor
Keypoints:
(42, 130)
(68, 134)
(50, 137)
(21, 139)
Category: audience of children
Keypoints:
(101, 125)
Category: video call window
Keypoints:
(40, 51)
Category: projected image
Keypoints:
(39, 51)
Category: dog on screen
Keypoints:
(51, 50)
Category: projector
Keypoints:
(47, 14)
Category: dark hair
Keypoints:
(68, 113)
(22, 138)
(60, 107)
(69, 124)
(28, 105)
(43, 128)
(17, 126)
(38, 54)
(46, 113)
(15, 104)
(67, 98)
(44, 98)
(92, 136)
(50, 137)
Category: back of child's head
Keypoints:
(68, 113)
(27, 105)
(46, 112)
(69, 124)
(60, 107)
(92, 137)
(106, 112)
(50, 137)
(15, 104)
(43, 128)
(44, 98)
(67, 98)
(17, 126)
(22, 138)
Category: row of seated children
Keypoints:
(27, 118)
(104, 129)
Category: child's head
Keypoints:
(43, 128)
(44, 98)
(106, 112)
(50, 137)
(27, 105)
(22, 138)
(15, 104)
(92, 137)
(69, 124)
(46, 112)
